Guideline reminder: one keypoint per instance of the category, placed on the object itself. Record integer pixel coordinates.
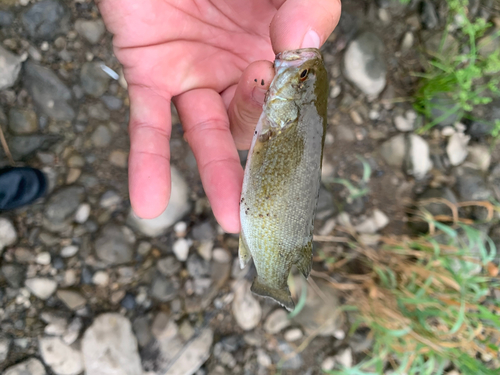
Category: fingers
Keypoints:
(149, 159)
(246, 106)
(303, 23)
(206, 126)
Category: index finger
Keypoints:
(304, 23)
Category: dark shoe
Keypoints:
(20, 187)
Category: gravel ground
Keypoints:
(85, 286)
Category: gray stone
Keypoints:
(25, 146)
(164, 289)
(61, 358)
(110, 199)
(93, 79)
(276, 321)
(72, 299)
(46, 19)
(6, 18)
(442, 110)
(293, 361)
(364, 64)
(10, 66)
(110, 347)
(472, 186)
(246, 309)
(4, 348)
(112, 102)
(193, 355)
(31, 366)
(436, 208)
(178, 206)
(203, 231)
(142, 329)
(484, 119)
(168, 266)
(22, 121)
(434, 46)
(91, 30)
(198, 267)
(48, 92)
(8, 234)
(13, 274)
(101, 137)
(41, 287)
(115, 245)
(429, 15)
(61, 207)
(98, 111)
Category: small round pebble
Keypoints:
(82, 213)
(69, 251)
(100, 278)
(328, 364)
(43, 258)
(128, 301)
(221, 256)
(180, 229)
(181, 249)
(293, 334)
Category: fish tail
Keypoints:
(280, 295)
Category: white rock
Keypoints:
(43, 258)
(193, 355)
(479, 157)
(41, 287)
(328, 364)
(419, 157)
(406, 123)
(263, 358)
(72, 299)
(61, 358)
(8, 235)
(221, 256)
(178, 206)
(276, 321)
(82, 213)
(100, 278)
(180, 228)
(344, 358)
(407, 42)
(4, 349)
(31, 366)
(457, 148)
(10, 66)
(364, 64)
(375, 222)
(181, 249)
(69, 251)
(110, 348)
(246, 309)
(293, 334)
(205, 249)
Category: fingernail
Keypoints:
(311, 40)
(258, 94)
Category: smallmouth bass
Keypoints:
(282, 174)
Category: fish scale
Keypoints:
(282, 175)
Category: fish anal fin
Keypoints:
(280, 295)
(243, 252)
(303, 260)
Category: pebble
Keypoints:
(456, 149)
(112, 102)
(178, 207)
(6, 18)
(43, 258)
(91, 30)
(406, 122)
(73, 175)
(293, 334)
(378, 220)
(364, 63)
(168, 266)
(344, 358)
(93, 79)
(114, 245)
(8, 234)
(25, 146)
(198, 267)
(73, 300)
(407, 41)
(328, 364)
(164, 289)
(31, 366)
(220, 255)
(205, 249)
(22, 121)
(61, 358)
(479, 157)
(100, 278)
(276, 321)
(4, 348)
(41, 287)
(118, 158)
(61, 207)
(101, 137)
(246, 309)
(82, 213)
(46, 20)
(144, 248)
(181, 249)
(293, 361)
(110, 199)
(98, 111)
(10, 66)
(48, 92)
(429, 15)
(180, 229)
(441, 108)
(110, 347)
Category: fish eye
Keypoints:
(303, 74)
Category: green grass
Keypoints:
(425, 306)
(467, 79)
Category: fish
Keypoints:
(283, 173)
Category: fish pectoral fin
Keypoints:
(303, 261)
(243, 252)
(280, 295)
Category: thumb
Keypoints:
(246, 106)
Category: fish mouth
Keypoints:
(296, 57)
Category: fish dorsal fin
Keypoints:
(303, 260)
(243, 252)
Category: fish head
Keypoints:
(300, 77)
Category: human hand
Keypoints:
(210, 57)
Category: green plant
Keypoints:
(426, 304)
(359, 190)
(468, 79)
